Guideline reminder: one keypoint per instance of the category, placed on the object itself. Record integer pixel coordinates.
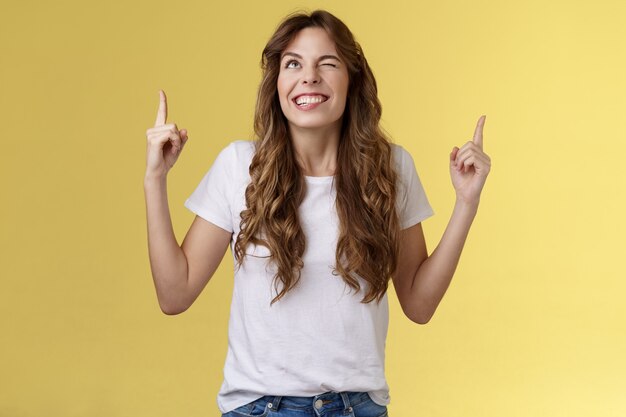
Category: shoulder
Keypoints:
(400, 157)
(239, 149)
(242, 146)
(236, 153)
(404, 164)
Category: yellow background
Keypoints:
(533, 323)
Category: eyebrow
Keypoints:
(300, 56)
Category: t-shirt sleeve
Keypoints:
(413, 204)
(211, 199)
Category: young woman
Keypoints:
(321, 203)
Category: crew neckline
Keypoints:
(319, 179)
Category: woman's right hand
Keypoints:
(165, 142)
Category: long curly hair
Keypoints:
(365, 179)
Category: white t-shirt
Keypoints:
(319, 337)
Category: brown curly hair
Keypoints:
(365, 179)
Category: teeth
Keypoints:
(309, 99)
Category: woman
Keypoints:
(320, 202)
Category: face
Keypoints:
(312, 74)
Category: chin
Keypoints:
(312, 124)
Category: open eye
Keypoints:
(287, 65)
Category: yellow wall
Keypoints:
(533, 323)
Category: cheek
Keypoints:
(284, 81)
(282, 99)
(342, 89)
(283, 89)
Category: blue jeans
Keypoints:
(328, 404)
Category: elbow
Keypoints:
(420, 320)
(421, 317)
(422, 311)
(171, 309)
(172, 303)
(170, 312)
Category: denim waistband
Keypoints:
(321, 402)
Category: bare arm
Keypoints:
(421, 280)
(167, 260)
(179, 273)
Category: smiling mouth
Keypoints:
(303, 101)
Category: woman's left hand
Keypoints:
(469, 167)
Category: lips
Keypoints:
(311, 95)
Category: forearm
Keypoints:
(434, 274)
(167, 259)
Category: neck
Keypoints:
(316, 149)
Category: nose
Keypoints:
(310, 76)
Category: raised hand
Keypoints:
(469, 167)
(165, 142)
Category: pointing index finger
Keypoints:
(478, 133)
(162, 112)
